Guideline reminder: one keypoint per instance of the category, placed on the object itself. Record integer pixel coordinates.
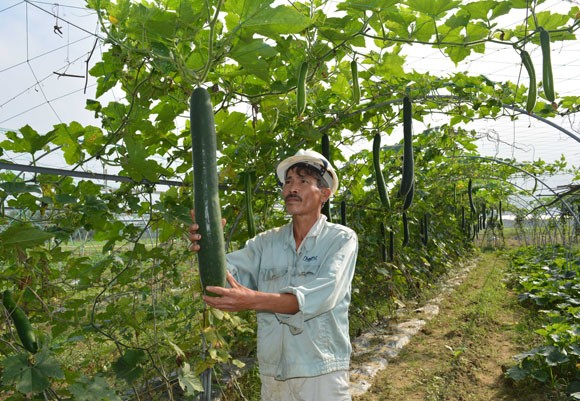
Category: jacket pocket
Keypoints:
(273, 279)
(304, 274)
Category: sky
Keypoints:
(33, 51)
(46, 49)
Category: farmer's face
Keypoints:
(301, 193)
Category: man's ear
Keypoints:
(325, 194)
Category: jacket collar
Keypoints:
(312, 235)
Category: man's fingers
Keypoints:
(231, 280)
(216, 290)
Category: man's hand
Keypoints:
(234, 299)
(194, 236)
(239, 298)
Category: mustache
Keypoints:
(293, 196)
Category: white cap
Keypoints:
(313, 159)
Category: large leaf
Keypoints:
(30, 376)
(23, 236)
(70, 140)
(259, 17)
(251, 56)
(107, 71)
(128, 366)
(189, 382)
(556, 357)
(433, 8)
(18, 187)
(158, 23)
(486, 9)
(97, 389)
(26, 140)
(366, 5)
(137, 163)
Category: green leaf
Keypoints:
(517, 373)
(18, 187)
(26, 140)
(433, 8)
(336, 29)
(457, 53)
(401, 23)
(251, 57)
(476, 31)
(93, 140)
(136, 164)
(258, 17)
(461, 19)
(238, 363)
(188, 381)
(549, 20)
(159, 23)
(30, 375)
(368, 5)
(97, 389)
(556, 357)
(424, 28)
(390, 65)
(574, 349)
(541, 375)
(487, 9)
(23, 236)
(232, 122)
(69, 138)
(127, 367)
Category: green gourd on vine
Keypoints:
(470, 196)
(547, 75)
(409, 198)
(380, 179)
(383, 245)
(21, 323)
(355, 85)
(408, 158)
(532, 90)
(211, 256)
(405, 229)
(301, 89)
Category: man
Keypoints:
(298, 279)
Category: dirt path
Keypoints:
(461, 354)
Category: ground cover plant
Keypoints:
(547, 281)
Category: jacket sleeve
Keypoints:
(329, 287)
(243, 263)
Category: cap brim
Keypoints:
(285, 164)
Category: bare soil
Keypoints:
(462, 354)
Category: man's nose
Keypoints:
(290, 187)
